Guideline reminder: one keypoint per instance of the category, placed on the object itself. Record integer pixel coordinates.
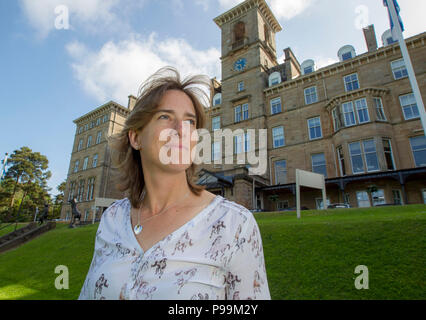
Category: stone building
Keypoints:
(355, 121)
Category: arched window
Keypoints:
(274, 78)
(346, 52)
(239, 31)
(308, 66)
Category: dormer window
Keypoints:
(387, 38)
(307, 67)
(239, 31)
(274, 79)
(217, 99)
(346, 53)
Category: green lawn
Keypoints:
(6, 228)
(311, 258)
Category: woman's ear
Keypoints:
(133, 139)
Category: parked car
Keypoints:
(338, 205)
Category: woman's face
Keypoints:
(166, 140)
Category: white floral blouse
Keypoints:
(218, 254)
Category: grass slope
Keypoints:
(311, 258)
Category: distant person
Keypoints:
(170, 238)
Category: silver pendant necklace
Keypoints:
(138, 227)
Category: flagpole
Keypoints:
(408, 65)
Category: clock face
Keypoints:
(240, 64)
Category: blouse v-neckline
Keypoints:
(194, 219)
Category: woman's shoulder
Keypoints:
(114, 208)
(233, 211)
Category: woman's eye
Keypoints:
(163, 115)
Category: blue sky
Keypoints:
(52, 76)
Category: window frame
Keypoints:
(322, 165)
(364, 107)
(412, 106)
(379, 107)
(351, 82)
(284, 171)
(273, 103)
(275, 136)
(309, 128)
(413, 151)
(400, 68)
(310, 94)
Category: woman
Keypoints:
(170, 238)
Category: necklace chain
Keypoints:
(138, 228)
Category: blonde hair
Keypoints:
(127, 159)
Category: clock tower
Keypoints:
(248, 51)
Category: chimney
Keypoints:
(370, 38)
(132, 102)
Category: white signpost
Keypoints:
(311, 180)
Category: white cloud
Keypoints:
(282, 9)
(94, 16)
(118, 69)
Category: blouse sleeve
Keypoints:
(86, 293)
(246, 277)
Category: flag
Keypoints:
(386, 3)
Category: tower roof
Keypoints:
(246, 6)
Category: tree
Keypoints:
(59, 200)
(26, 166)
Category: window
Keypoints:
(105, 118)
(314, 126)
(98, 137)
(98, 121)
(398, 69)
(280, 172)
(337, 120)
(71, 191)
(85, 162)
(409, 106)
(80, 130)
(216, 123)
(274, 79)
(237, 112)
(307, 70)
(396, 195)
(311, 95)
(387, 149)
(92, 124)
(378, 197)
(90, 187)
(346, 52)
(418, 147)
(80, 191)
(77, 163)
(278, 136)
(362, 111)
(95, 161)
(351, 82)
(276, 105)
(346, 56)
(246, 142)
(380, 113)
(363, 199)
(80, 145)
(217, 99)
(318, 164)
(370, 155)
(238, 144)
(341, 159)
(240, 86)
(348, 114)
(239, 31)
(217, 150)
(89, 141)
(245, 111)
(86, 127)
(283, 204)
